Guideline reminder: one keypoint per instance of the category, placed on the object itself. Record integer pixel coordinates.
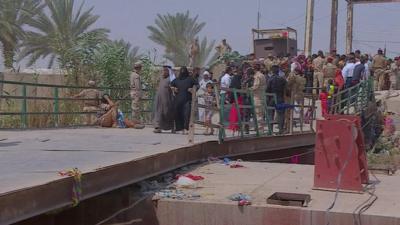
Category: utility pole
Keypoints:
(349, 26)
(309, 28)
(258, 19)
(334, 22)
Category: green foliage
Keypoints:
(176, 33)
(114, 66)
(150, 73)
(59, 31)
(14, 14)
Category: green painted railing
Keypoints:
(353, 100)
(56, 104)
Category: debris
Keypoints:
(175, 194)
(227, 161)
(242, 199)
(77, 184)
(185, 182)
(244, 202)
(236, 165)
(191, 176)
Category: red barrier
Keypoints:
(340, 151)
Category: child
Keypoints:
(331, 90)
(323, 96)
(209, 100)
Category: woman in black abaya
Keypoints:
(183, 99)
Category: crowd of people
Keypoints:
(288, 78)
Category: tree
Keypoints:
(14, 14)
(176, 33)
(132, 53)
(55, 34)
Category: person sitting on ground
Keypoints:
(91, 103)
(107, 115)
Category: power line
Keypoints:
(371, 41)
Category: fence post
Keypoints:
(291, 111)
(56, 107)
(221, 133)
(192, 115)
(24, 118)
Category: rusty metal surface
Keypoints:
(22, 204)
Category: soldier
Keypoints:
(91, 103)
(329, 71)
(194, 51)
(136, 91)
(378, 70)
(223, 48)
(259, 86)
(318, 64)
(269, 62)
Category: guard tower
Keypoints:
(277, 42)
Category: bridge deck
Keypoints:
(32, 157)
(109, 159)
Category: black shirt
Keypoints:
(277, 85)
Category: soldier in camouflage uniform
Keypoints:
(136, 91)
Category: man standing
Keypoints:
(136, 91)
(395, 68)
(277, 85)
(378, 70)
(359, 72)
(258, 89)
(329, 71)
(226, 80)
(348, 71)
(223, 48)
(194, 51)
(318, 64)
(163, 103)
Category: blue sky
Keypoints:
(234, 19)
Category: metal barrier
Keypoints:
(59, 104)
(248, 124)
(300, 112)
(353, 100)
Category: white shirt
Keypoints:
(203, 85)
(225, 82)
(367, 71)
(348, 70)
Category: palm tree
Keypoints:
(175, 33)
(14, 14)
(57, 33)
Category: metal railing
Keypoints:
(62, 110)
(56, 103)
(299, 116)
(353, 100)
